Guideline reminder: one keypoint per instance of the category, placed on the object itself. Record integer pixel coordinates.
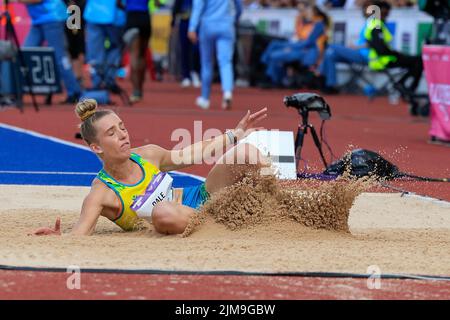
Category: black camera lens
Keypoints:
(289, 101)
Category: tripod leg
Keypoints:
(48, 99)
(318, 145)
(22, 65)
(18, 96)
(299, 144)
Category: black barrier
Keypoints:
(42, 68)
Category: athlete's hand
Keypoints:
(248, 123)
(192, 35)
(48, 231)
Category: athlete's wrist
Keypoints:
(231, 136)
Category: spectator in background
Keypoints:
(334, 3)
(382, 56)
(264, 3)
(47, 25)
(251, 4)
(402, 3)
(155, 5)
(215, 22)
(311, 26)
(104, 26)
(354, 4)
(283, 3)
(76, 42)
(335, 53)
(138, 20)
(190, 64)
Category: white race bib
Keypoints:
(159, 189)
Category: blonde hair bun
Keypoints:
(86, 108)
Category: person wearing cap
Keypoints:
(213, 24)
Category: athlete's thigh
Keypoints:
(232, 166)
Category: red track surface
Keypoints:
(46, 285)
(356, 122)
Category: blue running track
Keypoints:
(27, 157)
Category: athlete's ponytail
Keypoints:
(87, 111)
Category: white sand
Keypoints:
(397, 234)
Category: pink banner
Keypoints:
(436, 60)
(20, 19)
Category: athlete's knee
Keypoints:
(246, 153)
(164, 217)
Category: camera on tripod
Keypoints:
(306, 102)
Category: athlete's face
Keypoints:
(112, 138)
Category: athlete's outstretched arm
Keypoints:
(196, 153)
(90, 211)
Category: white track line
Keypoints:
(441, 202)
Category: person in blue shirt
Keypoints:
(358, 54)
(105, 21)
(214, 21)
(190, 55)
(47, 25)
(304, 51)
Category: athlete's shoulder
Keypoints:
(152, 153)
(100, 192)
(98, 186)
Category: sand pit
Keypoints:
(397, 234)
